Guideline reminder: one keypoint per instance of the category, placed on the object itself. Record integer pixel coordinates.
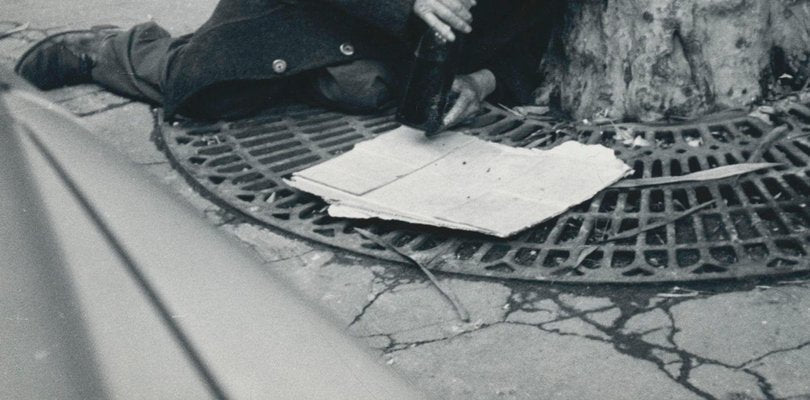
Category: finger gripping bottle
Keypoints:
(426, 94)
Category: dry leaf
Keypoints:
(271, 199)
(694, 141)
(700, 176)
(767, 110)
(764, 117)
(624, 135)
(639, 141)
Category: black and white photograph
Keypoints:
(405, 199)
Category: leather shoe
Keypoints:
(62, 59)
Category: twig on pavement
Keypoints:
(448, 294)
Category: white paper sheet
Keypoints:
(460, 182)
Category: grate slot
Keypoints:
(274, 148)
(260, 133)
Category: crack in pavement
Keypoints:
(389, 280)
(368, 305)
(773, 352)
(616, 334)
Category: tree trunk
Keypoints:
(650, 59)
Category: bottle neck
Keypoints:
(432, 47)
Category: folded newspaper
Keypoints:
(460, 182)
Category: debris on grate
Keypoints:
(745, 225)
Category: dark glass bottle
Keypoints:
(425, 99)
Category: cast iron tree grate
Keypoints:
(758, 224)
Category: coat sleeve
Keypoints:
(392, 16)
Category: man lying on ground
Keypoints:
(347, 55)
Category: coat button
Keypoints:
(279, 66)
(347, 49)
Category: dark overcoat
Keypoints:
(272, 39)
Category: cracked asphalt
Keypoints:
(721, 340)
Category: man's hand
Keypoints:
(444, 15)
(472, 89)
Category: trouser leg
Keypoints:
(132, 63)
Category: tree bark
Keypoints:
(651, 59)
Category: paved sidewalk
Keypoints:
(525, 341)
